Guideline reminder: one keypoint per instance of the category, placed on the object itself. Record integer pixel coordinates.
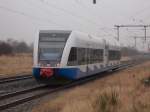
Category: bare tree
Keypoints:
(5, 48)
(13, 46)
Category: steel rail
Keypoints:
(15, 78)
(9, 95)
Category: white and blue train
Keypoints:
(73, 55)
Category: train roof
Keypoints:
(55, 31)
(112, 41)
(86, 37)
(97, 39)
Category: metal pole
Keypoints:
(149, 46)
(135, 41)
(145, 32)
(94, 1)
(118, 33)
(145, 29)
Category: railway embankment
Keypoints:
(123, 91)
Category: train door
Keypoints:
(90, 65)
(87, 60)
(82, 62)
(106, 53)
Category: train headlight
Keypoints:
(39, 64)
(48, 65)
(58, 65)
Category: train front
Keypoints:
(48, 50)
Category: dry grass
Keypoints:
(121, 92)
(15, 64)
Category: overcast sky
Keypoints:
(22, 19)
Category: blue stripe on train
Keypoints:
(36, 72)
(70, 73)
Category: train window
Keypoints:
(114, 55)
(82, 60)
(72, 57)
(90, 56)
(50, 54)
(51, 47)
(82, 56)
(96, 56)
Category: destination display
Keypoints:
(54, 37)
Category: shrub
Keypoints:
(107, 102)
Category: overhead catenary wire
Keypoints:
(91, 12)
(69, 12)
(134, 16)
(105, 29)
(88, 10)
(140, 12)
(29, 16)
(48, 12)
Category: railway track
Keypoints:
(40, 91)
(19, 97)
(14, 78)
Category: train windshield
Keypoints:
(51, 47)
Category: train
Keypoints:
(72, 55)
